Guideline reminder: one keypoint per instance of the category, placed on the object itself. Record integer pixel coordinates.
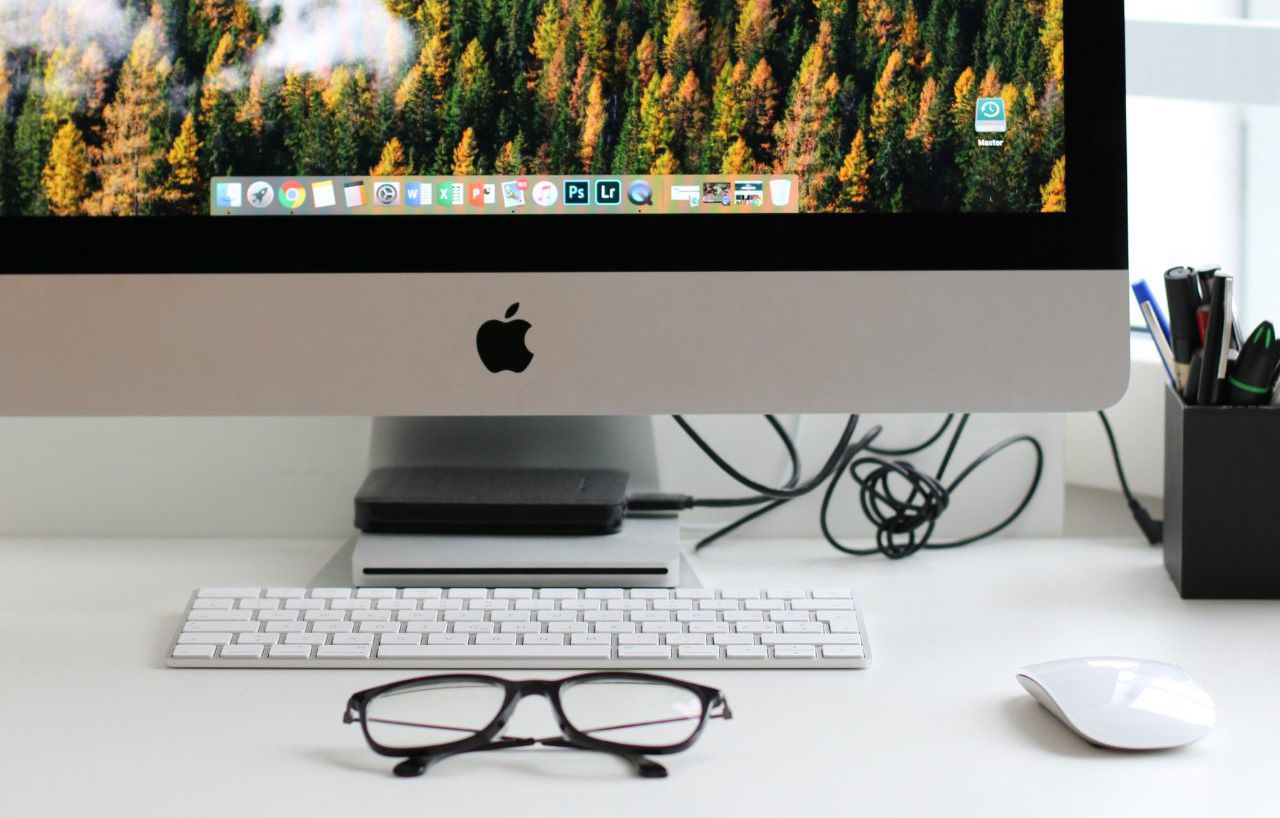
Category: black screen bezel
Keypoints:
(1092, 234)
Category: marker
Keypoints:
(1255, 372)
(1183, 297)
(1217, 343)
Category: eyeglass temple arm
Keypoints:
(417, 765)
(645, 766)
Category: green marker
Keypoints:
(1254, 373)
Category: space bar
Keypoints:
(495, 652)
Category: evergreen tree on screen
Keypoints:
(65, 176)
(870, 102)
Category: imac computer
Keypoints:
(509, 230)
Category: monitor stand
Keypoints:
(646, 553)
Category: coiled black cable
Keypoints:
(904, 518)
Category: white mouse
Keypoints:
(1123, 704)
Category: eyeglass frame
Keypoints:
(418, 759)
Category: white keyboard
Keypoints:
(520, 628)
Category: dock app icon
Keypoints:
(990, 116)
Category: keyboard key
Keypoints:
(463, 616)
(842, 652)
(718, 605)
(746, 652)
(558, 593)
(512, 593)
(843, 625)
(543, 639)
(277, 616)
(520, 627)
(603, 616)
(650, 616)
(306, 638)
(822, 604)
(602, 593)
(400, 639)
(557, 616)
(380, 627)
(213, 616)
(473, 627)
(810, 639)
(330, 593)
(535, 605)
(650, 593)
(803, 627)
(580, 605)
(626, 605)
(421, 593)
(224, 591)
(747, 593)
(495, 639)
(212, 604)
(698, 652)
(487, 604)
(303, 604)
(290, 652)
(685, 639)
(830, 593)
(592, 639)
(786, 593)
(700, 616)
(637, 638)
(333, 627)
(426, 627)
(672, 604)
(417, 616)
(754, 627)
(442, 604)
(660, 627)
(708, 627)
(397, 604)
(343, 651)
(221, 626)
(468, 593)
(215, 638)
(743, 616)
(257, 639)
(695, 593)
(733, 639)
(644, 652)
(242, 652)
(532, 652)
(789, 616)
(763, 604)
(510, 616)
(353, 639)
(567, 627)
(615, 627)
(324, 616)
(194, 651)
(259, 604)
(448, 639)
(285, 593)
(793, 652)
(375, 593)
(285, 627)
(370, 616)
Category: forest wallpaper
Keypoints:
(127, 107)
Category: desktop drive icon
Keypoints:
(990, 115)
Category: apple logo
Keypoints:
(501, 343)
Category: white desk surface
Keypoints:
(94, 724)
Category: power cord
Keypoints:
(1152, 529)
(904, 520)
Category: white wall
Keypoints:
(296, 476)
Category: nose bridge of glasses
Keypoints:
(533, 721)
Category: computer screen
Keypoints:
(318, 108)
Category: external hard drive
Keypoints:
(446, 500)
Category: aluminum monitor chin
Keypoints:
(890, 228)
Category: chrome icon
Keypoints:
(292, 194)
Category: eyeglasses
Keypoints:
(630, 715)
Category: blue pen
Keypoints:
(1143, 293)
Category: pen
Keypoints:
(1183, 297)
(1143, 294)
(1255, 371)
(1162, 343)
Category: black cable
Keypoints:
(1152, 528)
(913, 516)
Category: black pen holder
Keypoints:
(1222, 500)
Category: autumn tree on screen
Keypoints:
(871, 103)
